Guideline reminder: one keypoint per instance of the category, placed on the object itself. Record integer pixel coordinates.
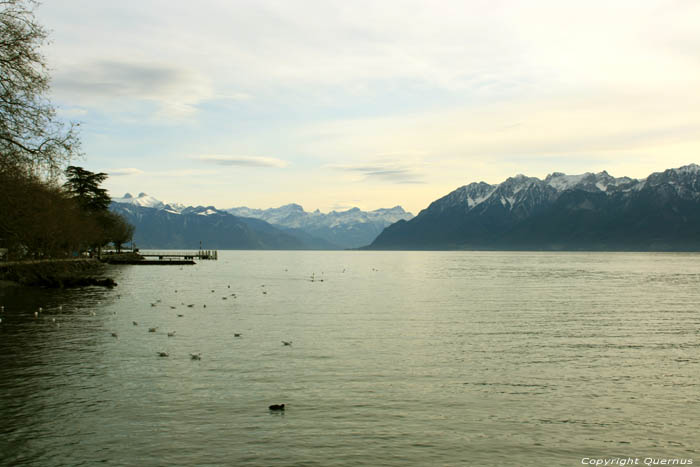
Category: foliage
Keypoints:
(119, 231)
(40, 219)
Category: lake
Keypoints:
(396, 358)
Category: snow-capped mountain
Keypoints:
(142, 200)
(588, 211)
(147, 201)
(345, 229)
(166, 228)
(523, 193)
(313, 230)
(294, 216)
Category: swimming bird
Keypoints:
(152, 329)
(114, 334)
(180, 316)
(287, 342)
(190, 305)
(196, 356)
(205, 306)
(276, 407)
(171, 333)
(153, 304)
(163, 354)
(172, 307)
(134, 323)
(236, 334)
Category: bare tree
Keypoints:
(32, 139)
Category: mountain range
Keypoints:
(592, 211)
(161, 225)
(342, 229)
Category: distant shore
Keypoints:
(55, 273)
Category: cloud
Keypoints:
(341, 207)
(177, 91)
(383, 172)
(243, 161)
(124, 171)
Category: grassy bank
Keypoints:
(59, 273)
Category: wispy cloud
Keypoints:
(341, 207)
(177, 91)
(124, 171)
(383, 172)
(243, 161)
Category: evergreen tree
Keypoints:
(84, 186)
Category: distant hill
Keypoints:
(592, 211)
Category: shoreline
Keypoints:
(54, 273)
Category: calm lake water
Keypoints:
(398, 358)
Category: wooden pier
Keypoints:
(155, 257)
(181, 255)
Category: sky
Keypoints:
(336, 104)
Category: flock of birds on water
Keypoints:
(193, 356)
(198, 355)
